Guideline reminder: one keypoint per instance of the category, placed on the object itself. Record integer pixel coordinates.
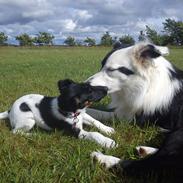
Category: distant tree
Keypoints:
(90, 41)
(115, 39)
(142, 36)
(70, 41)
(165, 40)
(44, 38)
(79, 42)
(159, 39)
(24, 40)
(106, 39)
(127, 40)
(3, 38)
(175, 30)
(153, 35)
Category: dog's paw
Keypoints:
(143, 151)
(109, 143)
(22, 133)
(108, 130)
(107, 161)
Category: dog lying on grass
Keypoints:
(65, 112)
(144, 87)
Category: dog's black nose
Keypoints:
(87, 82)
(102, 88)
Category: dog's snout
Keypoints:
(104, 88)
(87, 82)
(99, 92)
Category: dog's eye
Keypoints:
(110, 69)
(125, 70)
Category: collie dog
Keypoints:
(145, 87)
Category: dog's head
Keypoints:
(76, 96)
(122, 65)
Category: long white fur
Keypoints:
(149, 89)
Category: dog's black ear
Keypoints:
(149, 51)
(64, 83)
(117, 45)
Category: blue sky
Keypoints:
(82, 18)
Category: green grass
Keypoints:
(54, 157)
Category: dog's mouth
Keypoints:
(88, 103)
(99, 92)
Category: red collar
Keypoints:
(76, 114)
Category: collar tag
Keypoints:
(75, 119)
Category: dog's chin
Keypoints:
(110, 91)
(98, 99)
(88, 103)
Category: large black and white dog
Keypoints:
(146, 87)
(67, 112)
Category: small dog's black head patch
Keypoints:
(76, 96)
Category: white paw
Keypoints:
(21, 132)
(109, 143)
(107, 161)
(145, 150)
(108, 130)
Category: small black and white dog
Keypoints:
(145, 87)
(67, 112)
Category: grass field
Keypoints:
(54, 157)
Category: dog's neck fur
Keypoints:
(160, 88)
(155, 91)
(55, 109)
(60, 113)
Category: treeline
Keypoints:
(43, 38)
(172, 34)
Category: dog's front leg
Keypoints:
(143, 151)
(100, 115)
(106, 160)
(88, 120)
(98, 138)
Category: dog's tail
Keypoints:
(4, 115)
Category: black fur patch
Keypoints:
(150, 51)
(52, 121)
(24, 107)
(171, 118)
(125, 70)
(107, 56)
(37, 105)
(166, 164)
(117, 44)
(176, 73)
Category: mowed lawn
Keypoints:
(51, 157)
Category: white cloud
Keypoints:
(85, 18)
(37, 14)
(69, 25)
(83, 14)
